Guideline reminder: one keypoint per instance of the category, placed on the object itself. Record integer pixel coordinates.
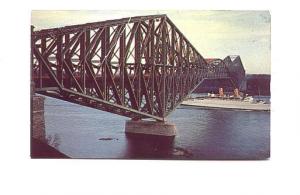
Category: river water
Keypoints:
(82, 132)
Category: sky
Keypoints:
(215, 34)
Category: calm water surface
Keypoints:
(82, 132)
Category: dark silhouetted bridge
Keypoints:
(138, 67)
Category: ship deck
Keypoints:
(226, 104)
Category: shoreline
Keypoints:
(40, 150)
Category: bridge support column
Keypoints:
(37, 115)
(38, 120)
(150, 128)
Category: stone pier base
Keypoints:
(38, 120)
(150, 128)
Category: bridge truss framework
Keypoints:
(138, 67)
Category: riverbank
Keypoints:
(40, 149)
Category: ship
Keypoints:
(236, 101)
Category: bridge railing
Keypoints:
(139, 67)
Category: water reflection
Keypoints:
(153, 147)
(149, 146)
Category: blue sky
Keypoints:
(215, 34)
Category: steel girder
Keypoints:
(139, 67)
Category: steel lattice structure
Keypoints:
(138, 67)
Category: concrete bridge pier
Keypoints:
(38, 120)
(37, 116)
(156, 128)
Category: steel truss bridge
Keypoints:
(138, 67)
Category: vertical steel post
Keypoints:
(137, 60)
(122, 62)
(82, 57)
(104, 52)
(43, 49)
(164, 63)
(152, 62)
(31, 61)
(59, 59)
(188, 77)
(67, 59)
(181, 72)
(87, 42)
(173, 65)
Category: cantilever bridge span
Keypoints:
(138, 67)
